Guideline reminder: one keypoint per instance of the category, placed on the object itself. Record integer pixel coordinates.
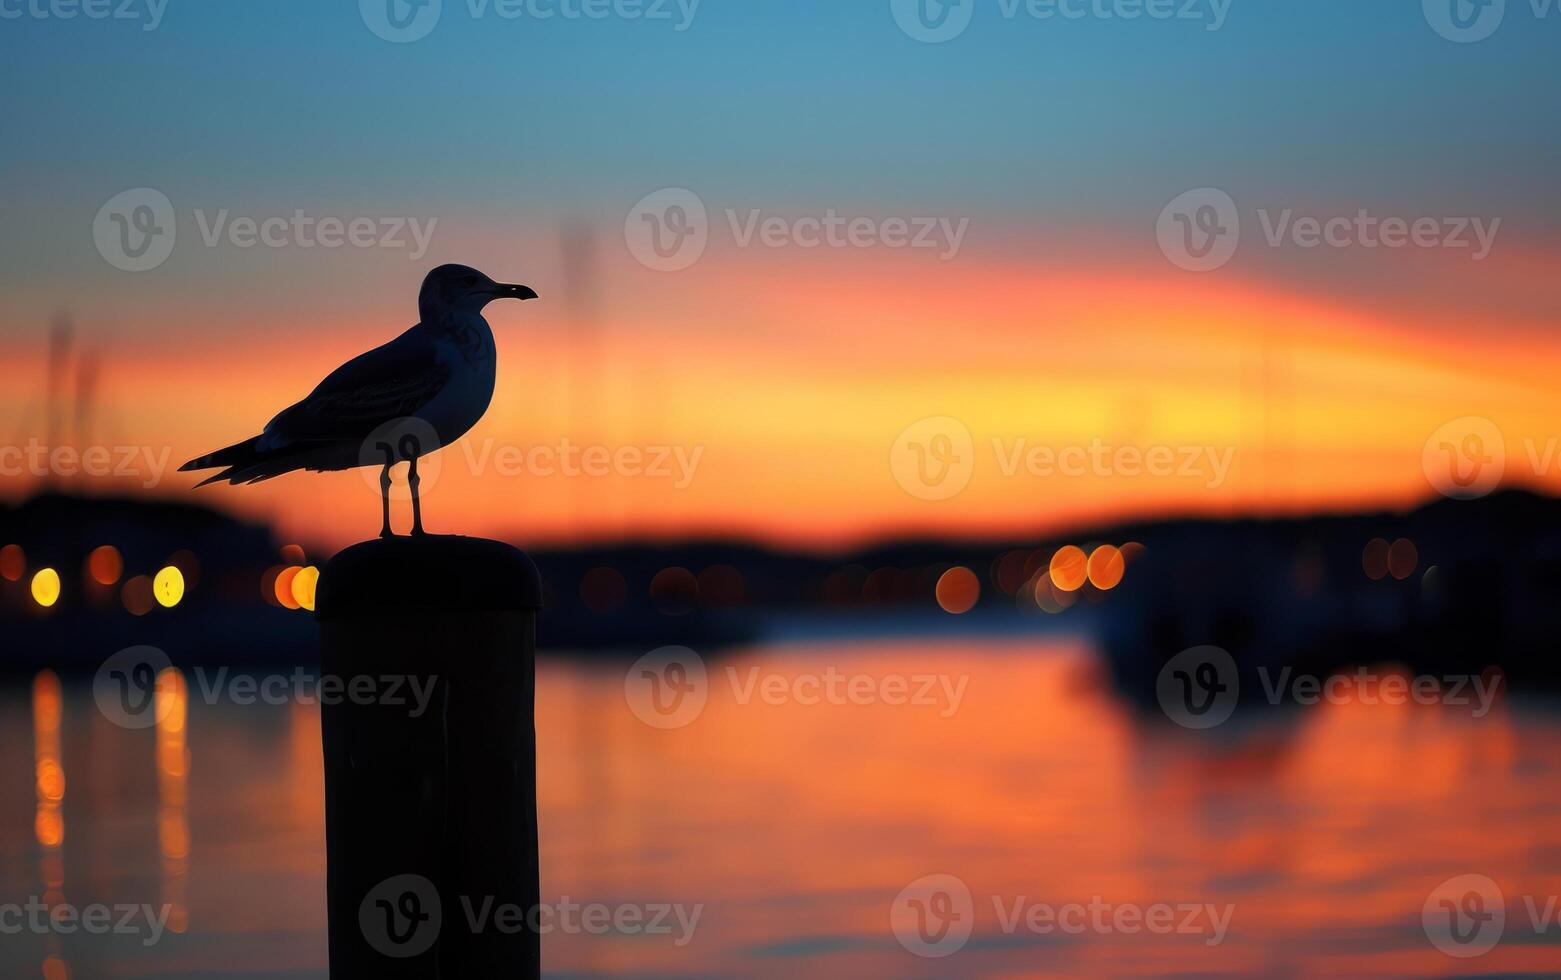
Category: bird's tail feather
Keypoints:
(244, 462)
(236, 453)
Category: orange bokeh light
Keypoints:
(1069, 568)
(958, 590)
(137, 595)
(105, 565)
(13, 563)
(1106, 567)
(284, 587)
(1403, 559)
(1375, 559)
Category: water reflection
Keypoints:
(49, 820)
(173, 772)
(795, 825)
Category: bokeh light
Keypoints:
(1375, 559)
(168, 586)
(1403, 559)
(185, 561)
(137, 595)
(268, 584)
(104, 565)
(293, 554)
(721, 585)
(46, 587)
(958, 590)
(1069, 568)
(13, 563)
(284, 586)
(304, 585)
(1106, 567)
(675, 590)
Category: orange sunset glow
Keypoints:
(1281, 401)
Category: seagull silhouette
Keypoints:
(431, 384)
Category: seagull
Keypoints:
(429, 385)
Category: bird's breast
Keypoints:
(466, 396)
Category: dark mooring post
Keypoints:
(427, 696)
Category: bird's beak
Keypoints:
(507, 291)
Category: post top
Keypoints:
(443, 572)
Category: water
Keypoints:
(791, 828)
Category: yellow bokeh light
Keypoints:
(168, 587)
(304, 584)
(46, 587)
(1069, 568)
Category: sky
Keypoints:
(776, 386)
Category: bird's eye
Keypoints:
(470, 280)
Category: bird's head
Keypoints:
(462, 289)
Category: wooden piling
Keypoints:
(428, 689)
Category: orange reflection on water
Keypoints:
(173, 773)
(1323, 830)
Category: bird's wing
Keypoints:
(387, 383)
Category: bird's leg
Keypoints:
(417, 503)
(384, 490)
